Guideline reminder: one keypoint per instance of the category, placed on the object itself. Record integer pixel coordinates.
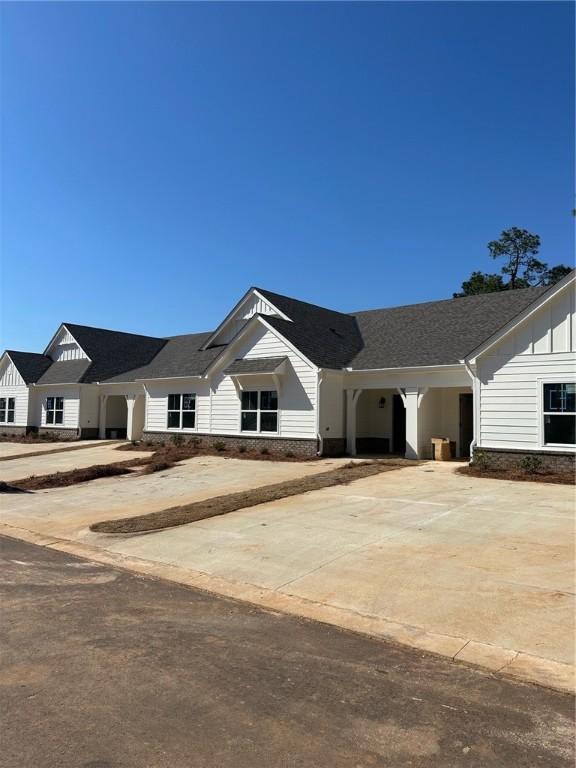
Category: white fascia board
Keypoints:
(410, 369)
(249, 293)
(537, 304)
(53, 339)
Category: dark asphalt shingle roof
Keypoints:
(327, 338)
(113, 352)
(180, 356)
(437, 332)
(256, 365)
(433, 333)
(30, 365)
(65, 372)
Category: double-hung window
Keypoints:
(560, 413)
(259, 411)
(182, 411)
(54, 410)
(7, 408)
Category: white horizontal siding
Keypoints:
(252, 305)
(20, 395)
(71, 395)
(297, 397)
(156, 419)
(511, 376)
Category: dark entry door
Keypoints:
(398, 426)
(466, 423)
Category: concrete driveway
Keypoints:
(62, 460)
(8, 450)
(67, 512)
(480, 570)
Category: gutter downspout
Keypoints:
(319, 437)
(475, 405)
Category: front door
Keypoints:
(466, 423)
(398, 426)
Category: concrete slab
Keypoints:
(420, 555)
(62, 461)
(9, 449)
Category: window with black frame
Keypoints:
(182, 411)
(7, 410)
(259, 411)
(559, 401)
(54, 410)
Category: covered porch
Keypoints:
(393, 416)
(121, 413)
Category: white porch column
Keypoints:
(412, 397)
(352, 396)
(102, 417)
(130, 400)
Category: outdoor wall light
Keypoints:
(382, 402)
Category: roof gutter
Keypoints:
(407, 369)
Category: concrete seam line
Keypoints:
(503, 667)
(455, 657)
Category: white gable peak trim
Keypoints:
(250, 293)
(52, 342)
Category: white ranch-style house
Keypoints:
(494, 373)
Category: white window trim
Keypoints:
(7, 408)
(542, 414)
(258, 431)
(181, 411)
(54, 411)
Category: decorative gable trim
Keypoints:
(251, 293)
(54, 341)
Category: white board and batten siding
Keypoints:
(296, 399)
(65, 347)
(13, 385)
(511, 375)
(252, 305)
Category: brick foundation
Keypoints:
(499, 458)
(278, 446)
(59, 433)
(13, 430)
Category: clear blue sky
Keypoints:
(159, 158)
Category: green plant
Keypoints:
(177, 439)
(264, 451)
(530, 464)
(241, 449)
(480, 460)
(290, 455)
(219, 446)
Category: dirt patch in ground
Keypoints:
(72, 477)
(540, 476)
(222, 505)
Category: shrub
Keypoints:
(290, 455)
(264, 451)
(219, 446)
(177, 439)
(531, 464)
(241, 449)
(480, 460)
